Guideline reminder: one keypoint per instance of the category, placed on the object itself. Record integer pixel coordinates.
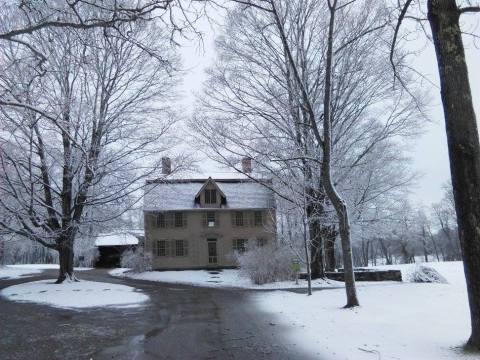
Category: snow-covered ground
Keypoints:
(17, 271)
(43, 267)
(395, 321)
(224, 278)
(9, 272)
(75, 295)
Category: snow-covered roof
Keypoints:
(116, 239)
(180, 194)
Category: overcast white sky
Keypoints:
(429, 151)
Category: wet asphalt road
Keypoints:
(179, 322)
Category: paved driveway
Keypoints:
(180, 322)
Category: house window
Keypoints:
(211, 218)
(210, 196)
(240, 245)
(179, 219)
(163, 247)
(172, 248)
(171, 219)
(181, 248)
(261, 242)
(258, 218)
(239, 218)
(161, 221)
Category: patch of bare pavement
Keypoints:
(179, 322)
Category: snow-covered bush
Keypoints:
(266, 264)
(137, 260)
(85, 252)
(426, 274)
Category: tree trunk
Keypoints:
(316, 253)
(65, 255)
(344, 227)
(385, 252)
(307, 259)
(424, 243)
(330, 237)
(337, 202)
(435, 248)
(314, 211)
(463, 145)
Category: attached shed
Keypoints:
(112, 245)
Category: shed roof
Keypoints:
(166, 195)
(121, 238)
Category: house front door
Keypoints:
(212, 251)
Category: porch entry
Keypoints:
(212, 250)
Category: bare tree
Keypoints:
(24, 18)
(446, 219)
(462, 135)
(83, 132)
(266, 100)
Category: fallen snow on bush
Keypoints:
(266, 264)
(231, 278)
(427, 274)
(9, 272)
(75, 295)
(138, 260)
(452, 271)
(421, 321)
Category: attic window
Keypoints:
(210, 196)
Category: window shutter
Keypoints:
(217, 219)
(167, 248)
(184, 218)
(150, 220)
(185, 247)
(249, 215)
(233, 218)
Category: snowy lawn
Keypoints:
(222, 278)
(395, 321)
(9, 272)
(17, 271)
(75, 295)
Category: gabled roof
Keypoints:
(210, 181)
(169, 195)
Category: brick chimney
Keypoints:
(166, 166)
(247, 165)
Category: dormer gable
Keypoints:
(210, 195)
